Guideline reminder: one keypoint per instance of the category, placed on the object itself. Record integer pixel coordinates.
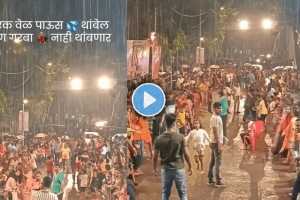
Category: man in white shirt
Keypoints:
(216, 140)
(237, 97)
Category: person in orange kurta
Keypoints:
(145, 133)
(289, 138)
(282, 137)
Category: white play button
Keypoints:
(148, 99)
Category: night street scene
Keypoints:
(62, 93)
(229, 127)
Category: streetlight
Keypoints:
(25, 101)
(258, 60)
(76, 84)
(104, 83)
(222, 8)
(201, 39)
(267, 24)
(244, 25)
(49, 64)
(269, 56)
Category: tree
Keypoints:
(3, 104)
(214, 43)
(166, 50)
(179, 44)
(39, 106)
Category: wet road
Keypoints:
(249, 176)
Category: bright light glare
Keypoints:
(49, 63)
(25, 101)
(104, 83)
(258, 60)
(201, 39)
(269, 56)
(101, 123)
(17, 40)
(76, 84)
(244, 24)
(267, 24)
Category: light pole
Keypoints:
(25, 101)
(152, 41)
(23, 105)
(200, 33)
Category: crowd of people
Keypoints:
(265, 98)
(59, 169)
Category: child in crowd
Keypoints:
(199, 137)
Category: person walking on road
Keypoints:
(224, 112)
(216, 141)
(199, 136)
(173, 149)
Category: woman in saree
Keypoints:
(283, 125)
(289, 138)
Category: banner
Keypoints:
(137, 58)
(26, 120)
(156, 59)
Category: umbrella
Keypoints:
(20, 137)
(214, 67)
(41, 135)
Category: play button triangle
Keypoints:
(148, 99)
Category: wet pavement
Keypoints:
(248, 175)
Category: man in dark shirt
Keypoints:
(172, 147)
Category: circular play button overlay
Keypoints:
(148, 99)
